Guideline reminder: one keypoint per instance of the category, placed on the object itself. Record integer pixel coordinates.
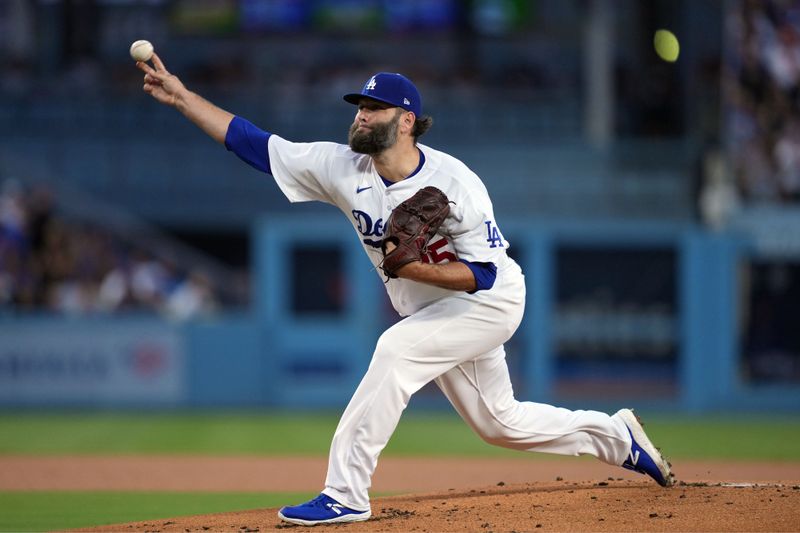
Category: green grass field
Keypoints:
(731, 438)
(739, 437)
(44, 511)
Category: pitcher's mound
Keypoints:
(613, 505)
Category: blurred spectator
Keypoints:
(13, 244)
(757, 179)
(762, 88)
(12, 211)
(192, 297)
(54, 264)
(114, 293)
(718, 199)
(149, 280)
(787, 159)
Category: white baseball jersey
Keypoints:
(334, 174)
(451, 337)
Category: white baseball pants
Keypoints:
(458, 342)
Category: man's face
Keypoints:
(375, 127)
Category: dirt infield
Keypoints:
(450, 494)
(613, 506)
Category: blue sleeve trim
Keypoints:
(249, 143)
(485, 274)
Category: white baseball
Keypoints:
(142, 50)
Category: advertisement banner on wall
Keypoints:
(91, 363)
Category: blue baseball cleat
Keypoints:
(644, 457)
(321, 510)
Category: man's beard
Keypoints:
(378, 138)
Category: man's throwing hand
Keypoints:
(159, 83)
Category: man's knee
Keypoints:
(495, 433)
(497, 427)
(387, 349)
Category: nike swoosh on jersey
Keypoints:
(362, 189)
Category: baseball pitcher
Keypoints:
(426, 222)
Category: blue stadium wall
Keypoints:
(306, 341)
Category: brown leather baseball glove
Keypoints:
(411, 225)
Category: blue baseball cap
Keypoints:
(390, 88)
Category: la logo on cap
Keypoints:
(370, 84)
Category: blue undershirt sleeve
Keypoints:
(485, 274)
(248, 142)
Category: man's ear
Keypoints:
(408, 120)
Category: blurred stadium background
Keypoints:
(653, 205)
